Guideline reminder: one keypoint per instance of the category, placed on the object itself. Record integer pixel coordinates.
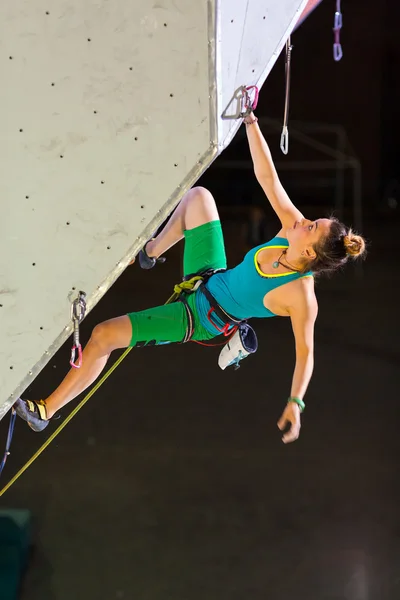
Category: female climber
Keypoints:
(274, 279)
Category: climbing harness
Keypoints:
(246, 99)
(78, 312)
(337, 26)
(190, 284)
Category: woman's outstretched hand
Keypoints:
(291, 415)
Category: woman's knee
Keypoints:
(112, 334)
(200, 195)
(201, 207)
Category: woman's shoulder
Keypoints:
(303, 291)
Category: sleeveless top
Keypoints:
(240, 291)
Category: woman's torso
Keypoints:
(254, 288)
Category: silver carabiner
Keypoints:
(285, 140)
(78, 311)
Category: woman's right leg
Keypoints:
(162, 324)
(197, 207)
(156, 325)
(106, 337)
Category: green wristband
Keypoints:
(297, 401)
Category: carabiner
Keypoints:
(78, 311)
(78, 364)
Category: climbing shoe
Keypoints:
(148, 262)
(33, 412)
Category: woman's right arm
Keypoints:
(267, 176)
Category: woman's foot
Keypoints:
(33, 412)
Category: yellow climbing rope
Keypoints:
(186, 286)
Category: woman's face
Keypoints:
(305, 234)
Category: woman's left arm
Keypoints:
(303, 313)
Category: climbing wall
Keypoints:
(110, 111)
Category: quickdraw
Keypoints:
(246, 98)
(337, 26)
(285, 131)
(78, 312)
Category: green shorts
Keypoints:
(204, 249)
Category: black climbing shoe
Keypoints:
(33, 412)
(148, 262)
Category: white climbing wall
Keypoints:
(109, 112)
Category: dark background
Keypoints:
(173, 482)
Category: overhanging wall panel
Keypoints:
(144, 74)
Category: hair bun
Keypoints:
(354, 244)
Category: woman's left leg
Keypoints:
(196, 208)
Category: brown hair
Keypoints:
(334, 250)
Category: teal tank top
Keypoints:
(240, 291)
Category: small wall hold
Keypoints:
(33, 264)
(102, 183)
(171, 95)
(21, 130)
